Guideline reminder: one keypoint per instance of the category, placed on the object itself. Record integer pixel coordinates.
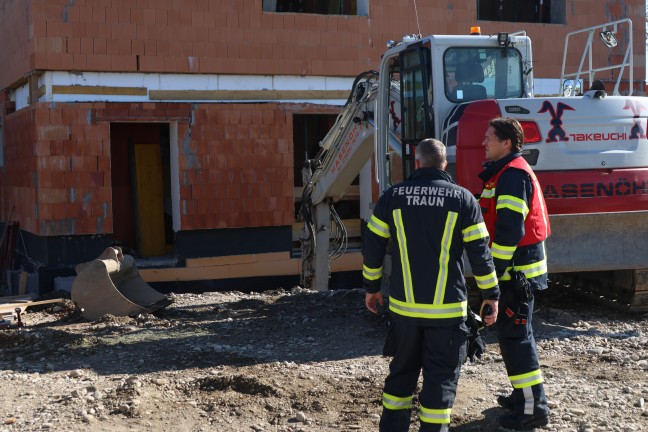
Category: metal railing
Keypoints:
(591, 71)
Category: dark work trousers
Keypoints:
(519, 353)
(439, 351)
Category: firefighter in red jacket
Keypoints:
(431, 221)
(516, 217)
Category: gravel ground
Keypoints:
(294, 360)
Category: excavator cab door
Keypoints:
(416, 98)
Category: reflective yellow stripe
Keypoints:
(438, 416)
(533, 269)
(396, 403)
(530, 270)
(402, 247)
(526, 380)
(512, 203)
(502, 252)
(486, 282)
(488, 193)
(506, 276)
(371, 273)
(420, 310)
(378, 227)
(475, 232)
(444, 257)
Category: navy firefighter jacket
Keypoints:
(430, 220)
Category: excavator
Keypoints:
(588, 147)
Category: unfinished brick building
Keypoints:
(177, 128)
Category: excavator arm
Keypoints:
(344, 151)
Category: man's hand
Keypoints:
(492, 317)
(371, 299)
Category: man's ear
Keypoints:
(444, 165)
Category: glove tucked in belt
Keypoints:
(523, 295)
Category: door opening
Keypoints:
(141, 188)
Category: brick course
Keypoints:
(60, 175)
(235, 160)
(233, 39)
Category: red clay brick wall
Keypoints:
(16, 46)
(236, 37)
(236, 167)
(73, 168)
(235, 164)
(18, 176)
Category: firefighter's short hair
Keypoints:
(431, 153)
(509, 128)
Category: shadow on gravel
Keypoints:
(562, 314)
(309, 327)
(273, 327)
(488, 423)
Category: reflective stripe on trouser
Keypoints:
(440, 352)
(518, 348)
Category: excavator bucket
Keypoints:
(112, 285)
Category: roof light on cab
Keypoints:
(475, 30)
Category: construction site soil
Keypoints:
(294, 360)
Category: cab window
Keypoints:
(482, 73)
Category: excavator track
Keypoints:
(623, 290)
(620, 290)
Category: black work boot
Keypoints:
(395, 420)
(507, 402)
(425, 427)
(524, 422)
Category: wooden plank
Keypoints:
(10, 307)
(247, 94)
(185, 274)
(236, 259)
(351, 261)
(100, 90)
(273, 256)
(266, 268)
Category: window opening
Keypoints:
(308, 131)
(532, 11)
(329, 7)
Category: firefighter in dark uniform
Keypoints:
(516, 217)
(431, 221)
